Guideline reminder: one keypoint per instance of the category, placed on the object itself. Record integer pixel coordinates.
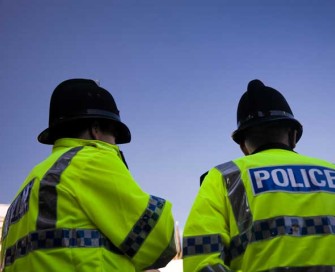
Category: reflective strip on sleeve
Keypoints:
(282, 226)
(237, 194)
(202, 245)
(47, 206)
(58, 238)
(166, 256)
(143, 226)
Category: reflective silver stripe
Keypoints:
(166, 256)
(202, 244)
(57, 238)
(282, 226)
(237, 194)
(143, 226)
(18, 208)
(47, 206)
(215, 268)
(303, 269)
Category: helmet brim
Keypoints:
(238, 135)
(47, 136)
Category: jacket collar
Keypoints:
(272, 146)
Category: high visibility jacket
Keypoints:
(81, 210)
(270, 211)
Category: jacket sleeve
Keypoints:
(139, 224)
(206, 234)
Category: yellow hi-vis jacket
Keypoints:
(270, 211)
(81, 210)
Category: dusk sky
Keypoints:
(176, 68)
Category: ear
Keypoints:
(292, 138)
(244, 148)
(94, 131)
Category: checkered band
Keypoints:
(280, 226)
(143, 226)
(202, 244)
(57, 238)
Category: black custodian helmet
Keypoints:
(76, 99)
(261, 104)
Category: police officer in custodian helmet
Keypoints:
(80, 209)
(271, 210)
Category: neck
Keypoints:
(272, 146)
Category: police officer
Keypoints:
(80, 209)
(272, 210)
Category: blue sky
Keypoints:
(176, 70)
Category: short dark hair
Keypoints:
(107, 126)
(268, 133)
(76, 128)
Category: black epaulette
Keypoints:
(202, 177)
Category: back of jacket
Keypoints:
(81, 210)
(274, 210)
